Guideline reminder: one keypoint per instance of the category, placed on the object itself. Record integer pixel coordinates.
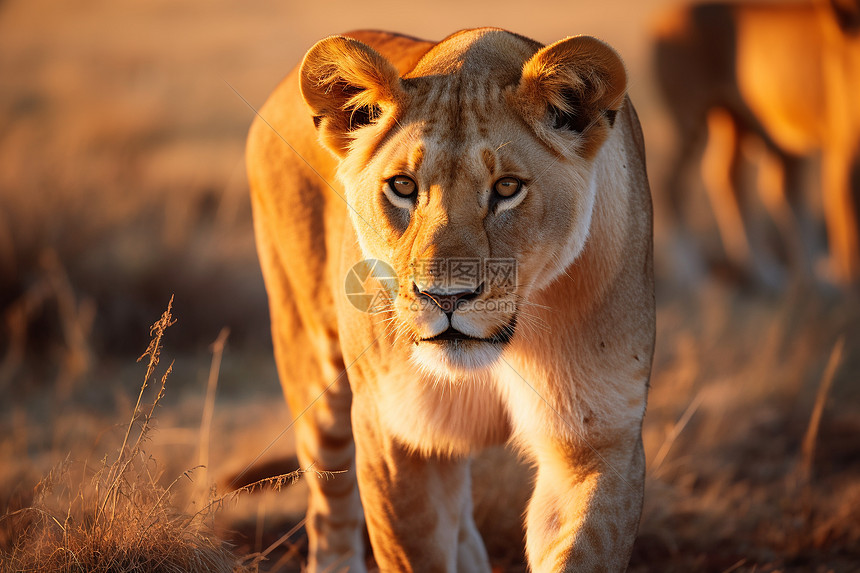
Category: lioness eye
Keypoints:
(403, 186)
(507, 186)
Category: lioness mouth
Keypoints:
(503, 336)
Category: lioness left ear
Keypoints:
(572, 84)
(346, 84)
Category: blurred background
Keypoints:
(122, 183)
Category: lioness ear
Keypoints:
(572, 85)
(346, 84)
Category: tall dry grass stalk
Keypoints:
(208, 412)
(679, 426)
(807, 451)
(120, 519)
(75, 315)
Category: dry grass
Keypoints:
(120, 519)
(740, 392)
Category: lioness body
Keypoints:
(566, 379)
(788, 73)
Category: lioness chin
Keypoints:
(489, 153)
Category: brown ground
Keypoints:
(122, 182)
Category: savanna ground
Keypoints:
(122, 183)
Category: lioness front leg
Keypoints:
(584, 513)
(418, 509)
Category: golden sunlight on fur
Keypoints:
(485, 149)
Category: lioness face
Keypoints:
(476, 188)
(471, 217)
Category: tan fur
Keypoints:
(568, 388)
(788, 73)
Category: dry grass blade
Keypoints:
(75, 318)
(809, 440)
(76, 321)
(209, 408)
(736, 566)
(275, 482)
(121, 520)
(257, 558)
(124, 460)
(675, 432)
(289, 555)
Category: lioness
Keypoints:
(485, 147)
(788, 73)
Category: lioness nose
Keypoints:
(448, 302)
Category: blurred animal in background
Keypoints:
(789, 75)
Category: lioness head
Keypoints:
(471, 175)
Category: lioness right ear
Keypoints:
(347, 85)
(576, 85)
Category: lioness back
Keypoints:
(456, 243)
